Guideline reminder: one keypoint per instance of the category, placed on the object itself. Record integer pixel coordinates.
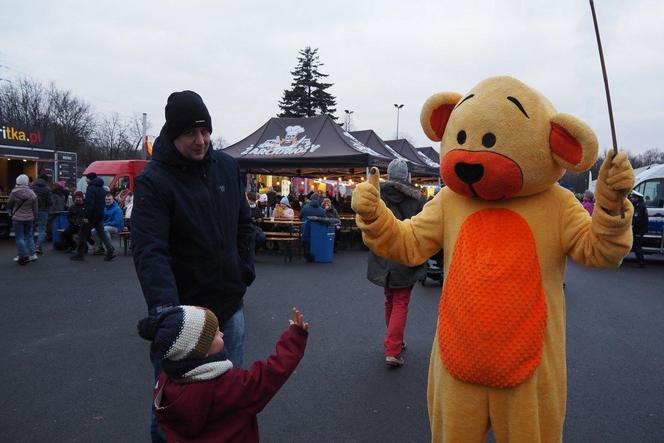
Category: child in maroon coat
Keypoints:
(199, 396)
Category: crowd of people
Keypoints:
(76, 219)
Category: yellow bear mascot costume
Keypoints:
(506, 226)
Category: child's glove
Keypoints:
(366, 197)
(615, 181)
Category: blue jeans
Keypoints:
(42, 221)
(233, 331)
(25, 242)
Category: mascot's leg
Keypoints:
(458, 411)
(532, 412)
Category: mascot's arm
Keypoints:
(606, 239)
(411, 241)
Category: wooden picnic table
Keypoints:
(281, 221)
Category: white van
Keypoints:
(649, 181)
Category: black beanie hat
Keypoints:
(185, 110)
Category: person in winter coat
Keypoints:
(57, 215)
(200, 396)
(40, 188)
(75, 216)
(283, 210)
(588, 201)
(192, 234)
(639, 226)
(312, 209)
(95, 202)
(404, 201)
(113, 222)
(23, 208)
(330, 211)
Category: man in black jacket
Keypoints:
(192, 234)
(397, 280)
(95, 201)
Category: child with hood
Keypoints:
(199, 396)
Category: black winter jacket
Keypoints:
(95, 203)
(192, 235)
(404, 201)
(640, 219)
(40, 188)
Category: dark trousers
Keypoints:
(636, 247)
(84, 234)
(68, 236)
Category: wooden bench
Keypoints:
(287, 238)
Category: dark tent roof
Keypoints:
(303, 146)
(422, 165)
(370, 139)
(430, 153)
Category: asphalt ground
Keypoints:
(74, 369)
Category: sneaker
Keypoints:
(38, 249)
(15, 258)
(110, 256)
(99, 251)
(394, 362)
(76, 257)
(33, 257)
(23, 261)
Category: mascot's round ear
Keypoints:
(573, 144)
(436, 112)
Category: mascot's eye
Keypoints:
(461, 137)
(488, 140)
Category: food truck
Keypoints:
(30, 151)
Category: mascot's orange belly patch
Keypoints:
(493, 312)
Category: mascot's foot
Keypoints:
(394, 362)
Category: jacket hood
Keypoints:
(111, 205)
(165, 152)
(98, 181)
(186, 420)
(398, 192)
(315, 201)
(40, 182)
(23, 192)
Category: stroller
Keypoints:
(434, 269)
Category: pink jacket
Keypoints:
(22, 203)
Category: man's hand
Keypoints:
(298, 320)
(615, 181)
(367, 196)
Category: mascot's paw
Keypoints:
(366, 198)
(615, 181)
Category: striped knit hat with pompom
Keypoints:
(180, 332)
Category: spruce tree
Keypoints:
(308, 96)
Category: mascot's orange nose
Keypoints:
(485, 175)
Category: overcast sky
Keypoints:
(128, 56)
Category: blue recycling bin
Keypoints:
(59, 221)
(321, 238)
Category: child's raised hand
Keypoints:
(298, 320)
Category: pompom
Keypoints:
(147, 327)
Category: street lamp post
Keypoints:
(398, 108)
(348, 113)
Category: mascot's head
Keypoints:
(503, 139)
